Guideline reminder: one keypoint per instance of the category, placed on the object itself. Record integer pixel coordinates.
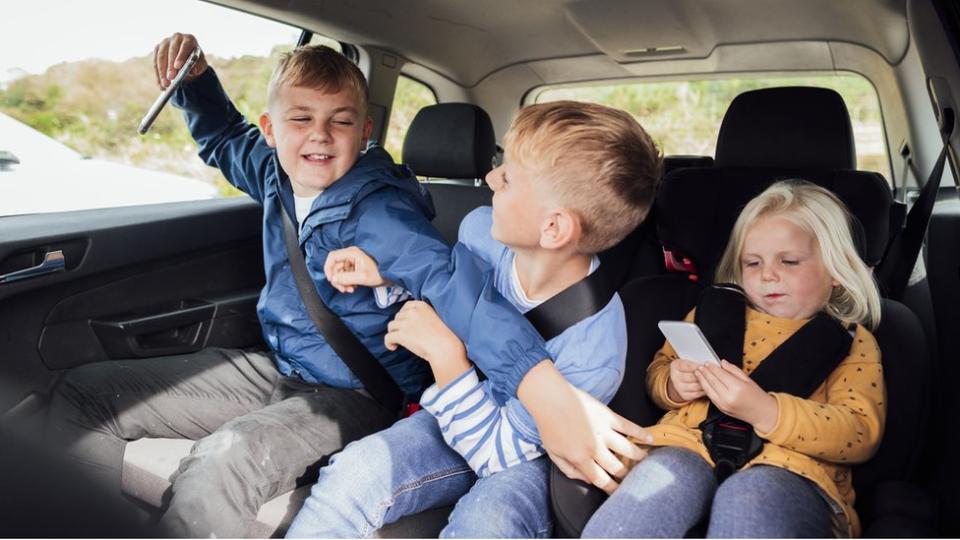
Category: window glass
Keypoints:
(317, 39)
(684, 116)
(74, 87)
(411, 96)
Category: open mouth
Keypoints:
(317, 158)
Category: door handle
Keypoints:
(53, 261)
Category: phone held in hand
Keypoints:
(165, 95)
(688, 341)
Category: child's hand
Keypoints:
(418, 328)
(580, 434)
(737, 395)
(348, 267)
(683, 386)
(171, 54)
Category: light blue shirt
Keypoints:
(591, 355)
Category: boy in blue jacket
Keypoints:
(576, 179)
(261, 419)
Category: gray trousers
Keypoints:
(257, 431)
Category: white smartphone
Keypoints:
(688, 341)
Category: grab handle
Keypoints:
(53, 261)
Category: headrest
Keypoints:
(672, 163)
(696, 209)
(450, 140)
(787, 127)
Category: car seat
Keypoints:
(768, 135)
(452, 146)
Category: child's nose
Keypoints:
(492, 179)
(320, 133)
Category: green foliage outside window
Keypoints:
(95, 106)
(410, 97)
(684, 116)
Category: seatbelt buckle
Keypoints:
(409, 409)
(409, 406)
(731, 444)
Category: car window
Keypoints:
(72, 96)
(411, 96)
(684, 116)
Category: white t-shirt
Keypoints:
(302, 207)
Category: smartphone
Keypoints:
(165, 95)
(688, 341)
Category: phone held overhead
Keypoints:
(165, 95)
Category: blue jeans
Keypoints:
(671, 490)
(408, 468)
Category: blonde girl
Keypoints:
(792, 252)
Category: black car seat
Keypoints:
(452, 146)
(768, 135)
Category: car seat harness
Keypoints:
(797, 367)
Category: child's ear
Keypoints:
(266, 127)
(367, 130)
(560, 229)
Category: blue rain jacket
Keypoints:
(381, 208)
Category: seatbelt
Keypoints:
(797, 367)
(572, 305)
(894, 271)
(354, 354)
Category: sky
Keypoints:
(35, 34)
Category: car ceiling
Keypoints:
(467, 41)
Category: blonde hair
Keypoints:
(321, 68)
(598, 161)
(822, 215)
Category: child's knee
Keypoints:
(748, 489)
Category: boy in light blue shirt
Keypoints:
(577, 178)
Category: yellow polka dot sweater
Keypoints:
(817, 437)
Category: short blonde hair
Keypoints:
(822, 215)
(597, 160)
(321, 68)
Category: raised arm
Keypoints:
(225, 139)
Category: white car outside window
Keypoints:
(39, 174)
(88, 86)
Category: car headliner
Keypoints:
(467, 41)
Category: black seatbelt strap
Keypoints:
(797, 367)
(353, 353)
(572, 305)
(902, 253)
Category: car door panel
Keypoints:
(139, 281)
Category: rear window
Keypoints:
(684, 116)
(411, 96)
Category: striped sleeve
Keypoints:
(476, 427)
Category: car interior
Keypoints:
(164, 279)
